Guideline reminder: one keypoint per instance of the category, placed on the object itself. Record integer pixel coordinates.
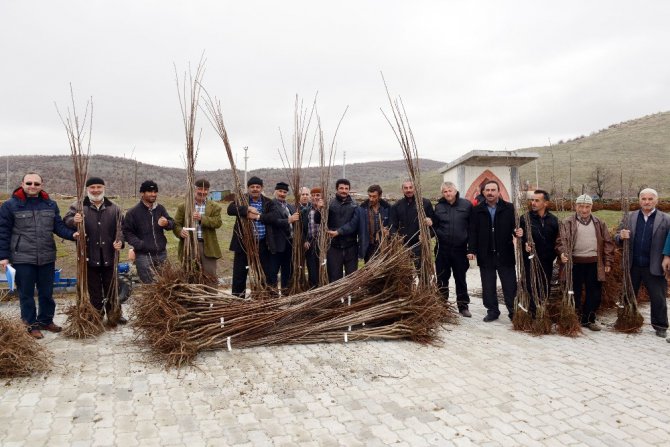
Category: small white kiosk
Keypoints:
(471, 171)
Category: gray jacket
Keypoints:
(660, 233)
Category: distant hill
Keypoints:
(641, 147)
(123, 175)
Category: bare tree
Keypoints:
(600, 180)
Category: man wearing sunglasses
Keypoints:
(27, 221)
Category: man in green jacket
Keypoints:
(207, 216)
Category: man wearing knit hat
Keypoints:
(281, 261)
(592, 257)
(102, 222)
(262, 212)
(144, 229)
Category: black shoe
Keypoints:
(465, 312)
(661, 333)
(122, 320)
(490, 317)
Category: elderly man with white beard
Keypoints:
(102, 221)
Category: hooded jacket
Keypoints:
(26, 227)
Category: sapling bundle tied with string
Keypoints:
(522, 319)
(83, 320)
(568, 322)
(246, 229)
(177, 320)
(537, 284)
(629, 319)
(293, 164)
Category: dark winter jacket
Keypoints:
(141, 229)
(282, 229)
(304, 223)
(26, 227)
(342, 216)
(364, 223)
(452, 223)
(101, 230)
(545, 233)
(404, 218)
(492, 242)
(269, 217)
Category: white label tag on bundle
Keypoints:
(324, 262)
(363, 323)
(342, 300)
(211, 305)
(228, 342)
(349, 300)
(570, 292)
(522, 308)
(247, 267)
(222, 322)
(531, 256)
(346, 339)
(349, 328)
(188, 229)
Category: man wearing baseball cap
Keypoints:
(592, 257)
(144, 227)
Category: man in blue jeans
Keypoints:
(27, 221)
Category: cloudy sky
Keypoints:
(472, 75)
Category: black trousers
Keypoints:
(100, 283)
(281, 262)
(240, 271)
(507, 275)
(454, 260)
(657, 286)
(339, 258)
(312, 262)
(585, 276)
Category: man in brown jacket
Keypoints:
(592, 257)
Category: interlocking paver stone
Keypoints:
(485, 385)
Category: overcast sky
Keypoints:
(472, 75)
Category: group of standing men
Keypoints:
(463, 232)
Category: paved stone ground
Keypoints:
(487, 385)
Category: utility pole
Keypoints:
(344, 164)
(246, 157)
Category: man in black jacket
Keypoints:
(281, 261)
(261, 211)
(451, 225)
(373, 222)
(492, 230)
(342, 228)
(102, 221)
(310, 218)
(144, 227)
(404, 219)
(544, 231)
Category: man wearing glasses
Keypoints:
(27, 221)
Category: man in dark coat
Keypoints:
(373, 221)
(343, 229)
(144, 228)
(102, 221)
(544, 231)
(492, 231)
(404, 219)
(281, 261)
(310, 218)
(451, 224)
(27, 221)
(261, 212)
(648, 231)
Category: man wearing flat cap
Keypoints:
(102, 222)
(144, 229)
(310, 218)
(592, 257)
(283, 237)
(262, 213)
